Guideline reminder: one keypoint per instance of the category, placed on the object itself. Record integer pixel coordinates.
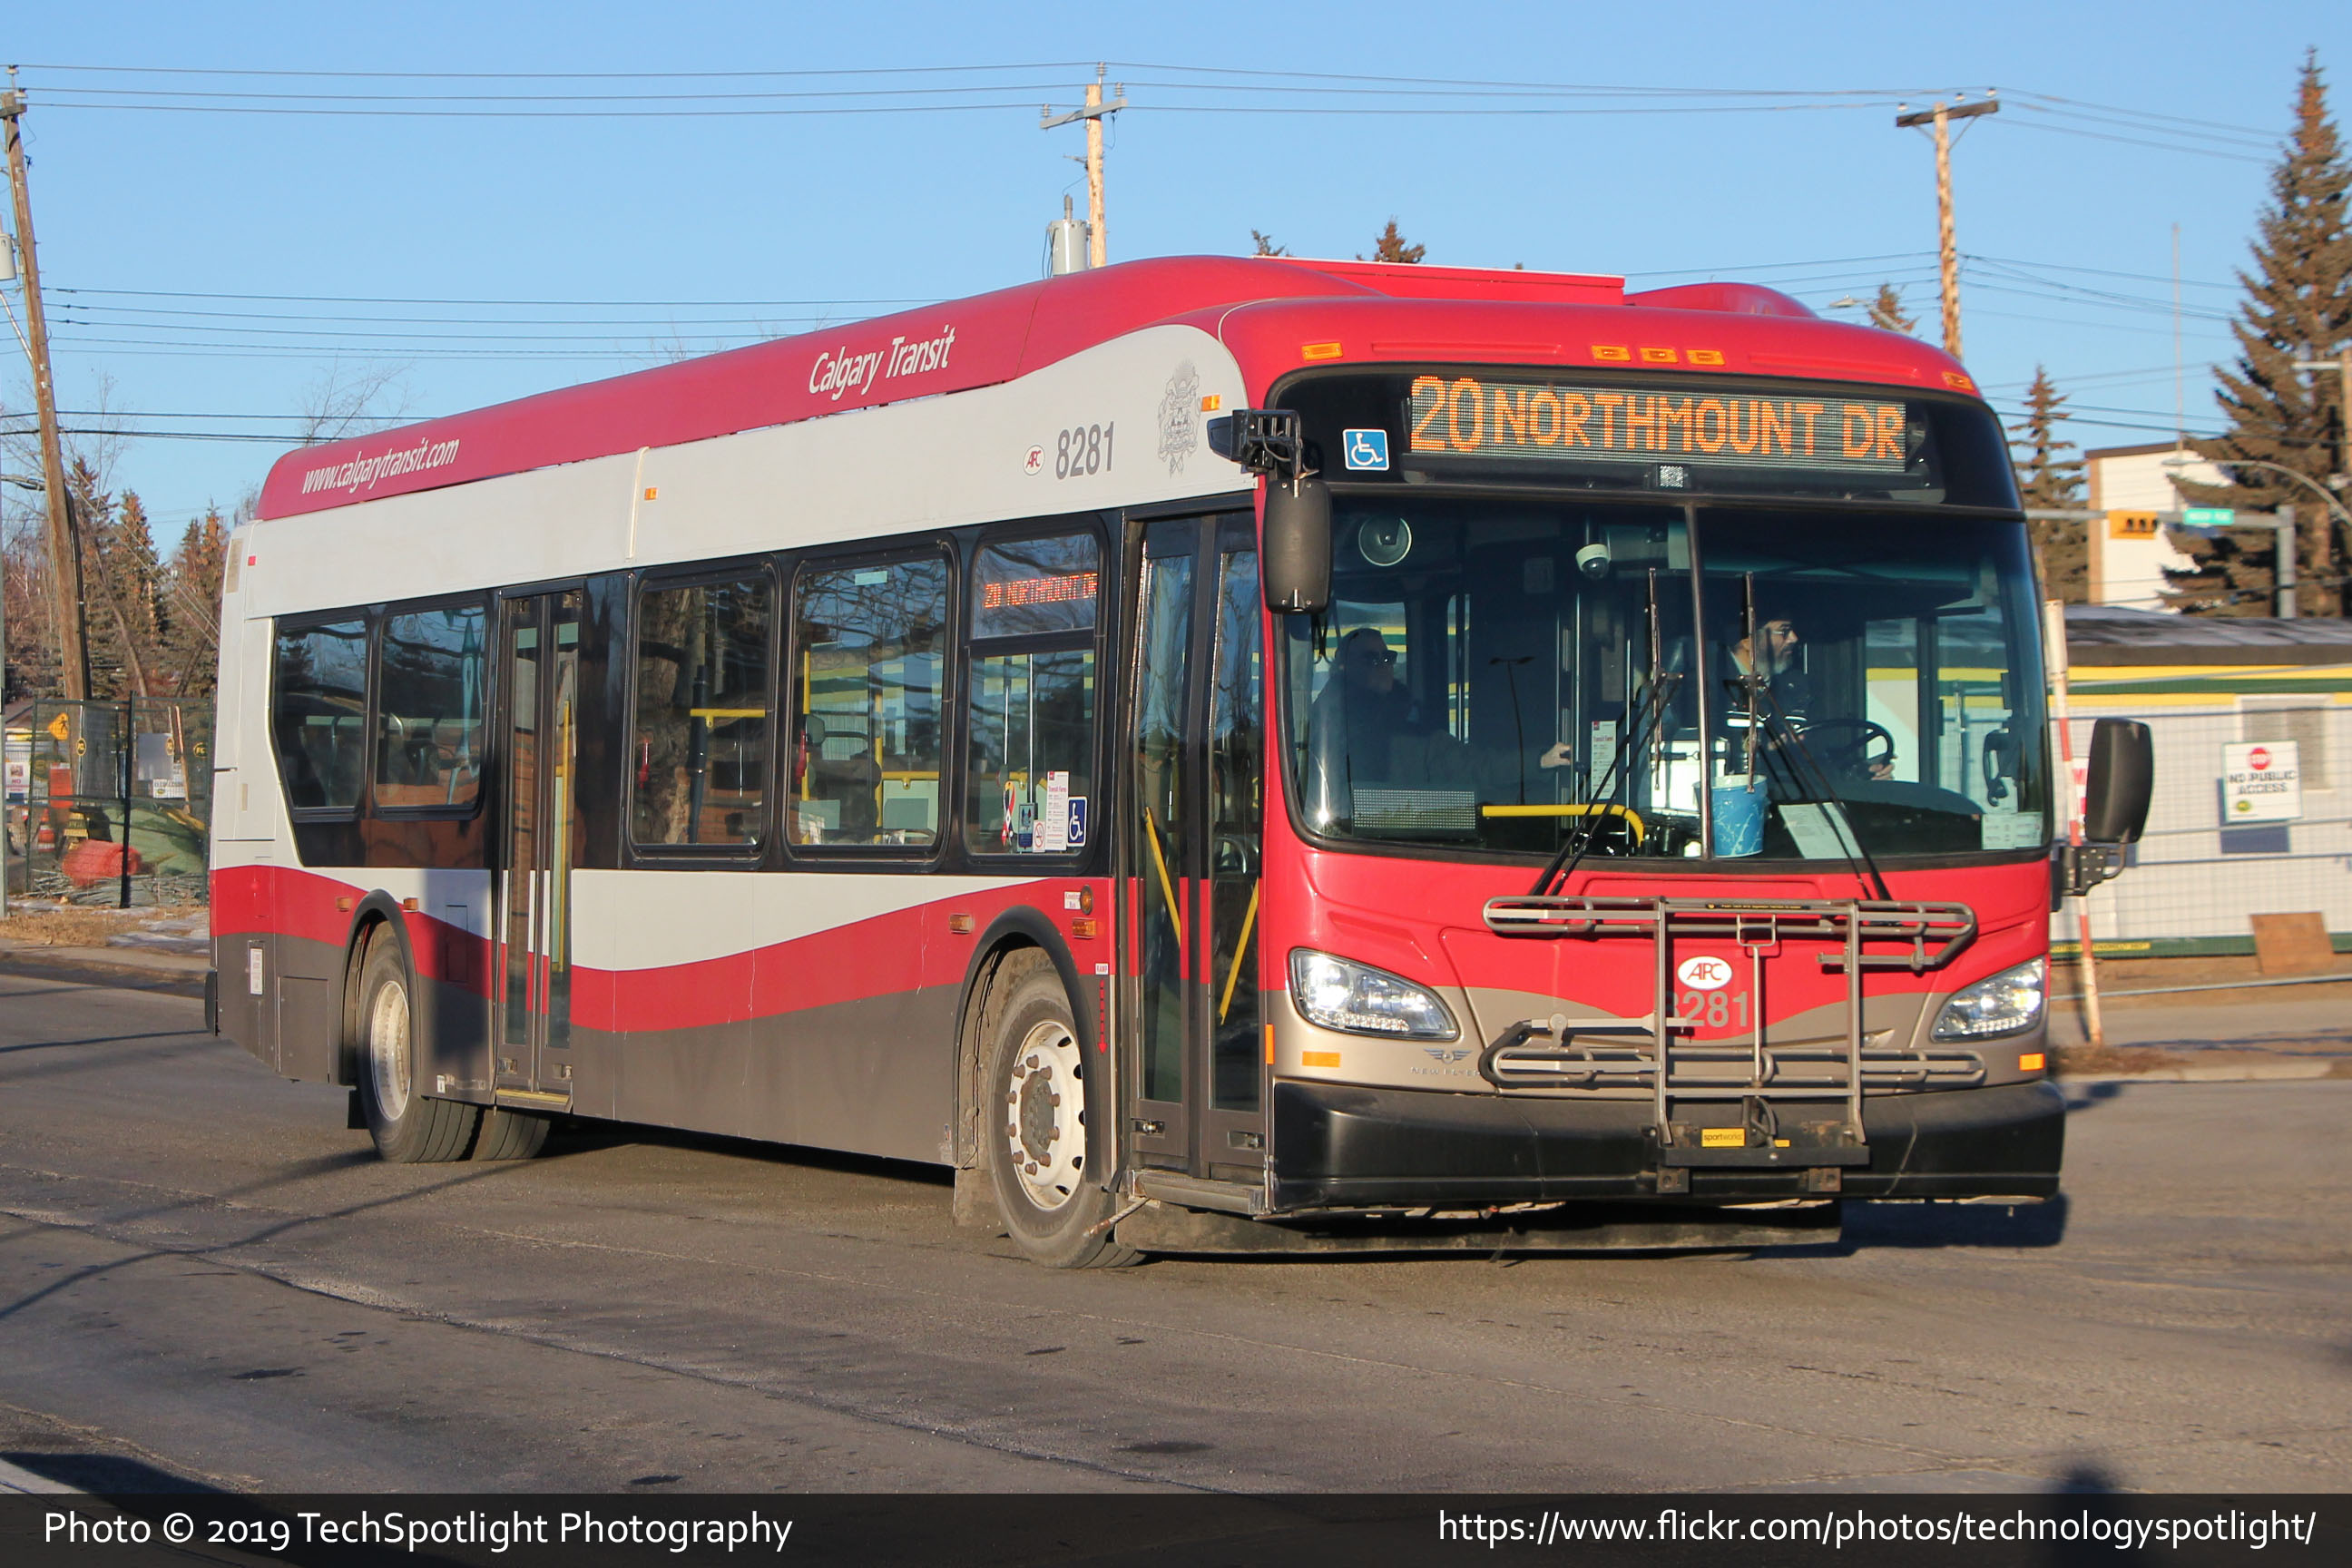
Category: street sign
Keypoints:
(2261, 782)
(2132, 524)
(2208, 516)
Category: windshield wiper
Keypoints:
(1850, 844)
(1663, 684)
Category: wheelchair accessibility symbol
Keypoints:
(1366, 449)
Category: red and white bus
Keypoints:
(1222, 754)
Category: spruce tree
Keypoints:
(136, 575)
(1886, 311)
(110, 657)
(1389, 245)
(2298, 305)
(191, 586)
(2052, 481)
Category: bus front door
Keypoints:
(539, 677)
(1190, 857)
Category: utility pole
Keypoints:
(65, 551)
(1095, 109)
(1940, 119)
(2286, 550)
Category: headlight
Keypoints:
(2005, 1005)
(1361, 1000)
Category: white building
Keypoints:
(2126, 561)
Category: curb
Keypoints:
(2250, 1072)
(187, 963)
(106, 967)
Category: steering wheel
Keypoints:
(1854, 748)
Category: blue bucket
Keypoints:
(1738, 818)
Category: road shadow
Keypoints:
(104, 1040)
(2090, 1096)
(107, 1473)
(581, 1135)
(1895, 1228)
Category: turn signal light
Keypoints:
(1319, 1058)
(2032, 1061)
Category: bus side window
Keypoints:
(1030, 778)
(319, 713)
(430, 669)
(870, 649)
(698, 761)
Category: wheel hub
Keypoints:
(1044, 1127)
(387, 1039)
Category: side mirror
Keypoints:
(1297, 561)
(2123, 779)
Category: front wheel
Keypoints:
(1036, 1134)
(408, 1128)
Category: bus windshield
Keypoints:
(1525, 676)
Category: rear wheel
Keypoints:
(409, 1128)
(1036, 1124)
(509, 1135)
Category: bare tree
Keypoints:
(354, 400)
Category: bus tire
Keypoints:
(409, 1128)
(1033, 1125)
(509, 1135)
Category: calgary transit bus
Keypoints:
(1223, 754)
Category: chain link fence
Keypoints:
(109, 804)
(2194, 878)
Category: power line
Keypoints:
(551, 304)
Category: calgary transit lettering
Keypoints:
(1494, 419)
(839, 372)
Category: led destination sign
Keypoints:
(1466, 417)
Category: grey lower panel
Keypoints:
(296, 1024)
(871, 1076)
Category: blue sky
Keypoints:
(207, 268)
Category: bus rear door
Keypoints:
(539, 677)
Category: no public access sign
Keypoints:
(2261, 783)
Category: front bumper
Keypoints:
(1339, 1147)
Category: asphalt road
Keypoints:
(205, 1281)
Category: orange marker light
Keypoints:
(1211, 403)
(1616, 352)
(1319, 350)
(1703, 356)
(1319, 1058)
(1659, 356)
(1955, 380)
(653, 493)
(2032, 1061)
(1269, 1045)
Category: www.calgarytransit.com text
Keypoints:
(417, 1531)
(1859, 1527)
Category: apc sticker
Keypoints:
(1703, 974)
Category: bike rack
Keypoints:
(1854, 935)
